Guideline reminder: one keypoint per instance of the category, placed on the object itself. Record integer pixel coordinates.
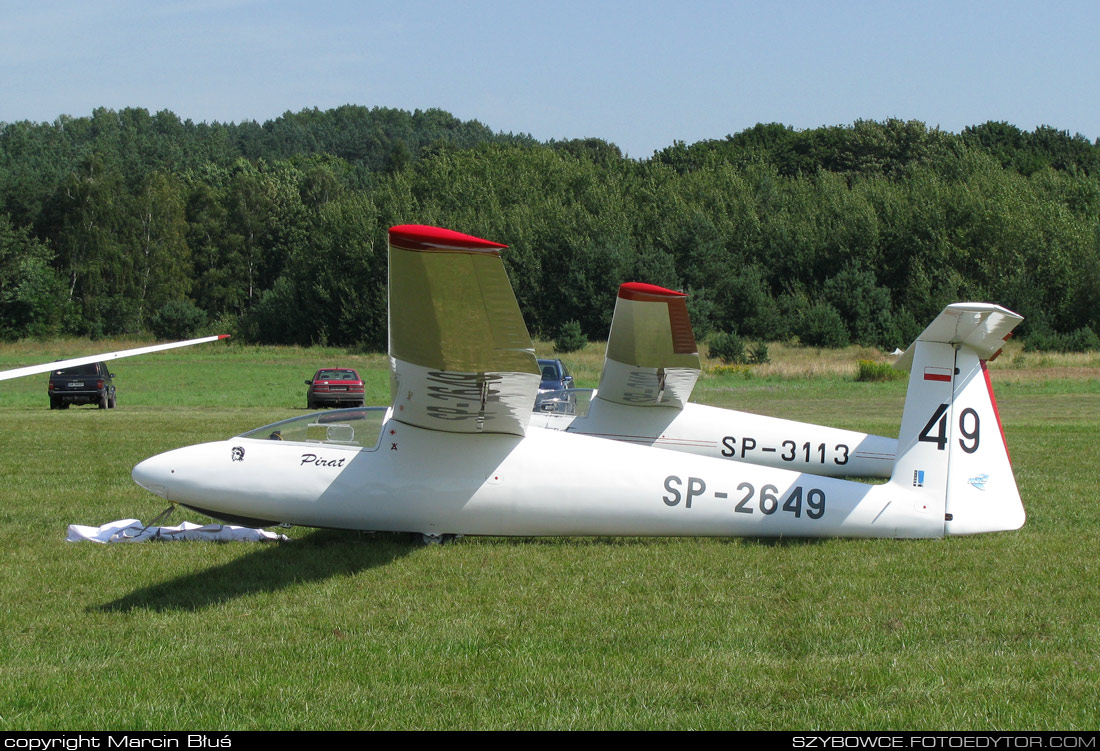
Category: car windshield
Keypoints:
(552, 370)
(90, 369)
(337, 375)
(358, 427)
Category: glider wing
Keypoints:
(652, 359)
(461, 359)
(102, 357)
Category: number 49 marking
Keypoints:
(969, 426)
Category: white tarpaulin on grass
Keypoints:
(132, 530)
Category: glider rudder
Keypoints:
(951, 448)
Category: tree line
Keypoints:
(127, 221)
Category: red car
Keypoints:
(336, 387)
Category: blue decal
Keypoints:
(979, 481)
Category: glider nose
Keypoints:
(152, 474)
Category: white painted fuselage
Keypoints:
(544, 483)
(734, 436)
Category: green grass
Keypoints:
(340, 630)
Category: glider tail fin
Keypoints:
(951, 446)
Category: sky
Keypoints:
(641, 74)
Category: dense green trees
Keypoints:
(33, 299)
(127, 220)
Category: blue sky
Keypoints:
(641, 74)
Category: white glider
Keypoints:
(455, 453)
(651, 366)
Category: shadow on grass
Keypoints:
(776, 542)
(324, 554)
(320, 555)
(606, 541)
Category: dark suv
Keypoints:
(555, 376)
(82, 384)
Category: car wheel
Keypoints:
(310, 405)
(103, 400)
(111, 401)
(63, 405)
(55, 403)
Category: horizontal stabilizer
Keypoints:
(982, 327)
(652, 359)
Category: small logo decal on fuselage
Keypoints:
(238, 454)
(979, 481)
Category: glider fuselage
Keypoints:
(545, 483)
(734, 436)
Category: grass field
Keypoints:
(342, 631)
